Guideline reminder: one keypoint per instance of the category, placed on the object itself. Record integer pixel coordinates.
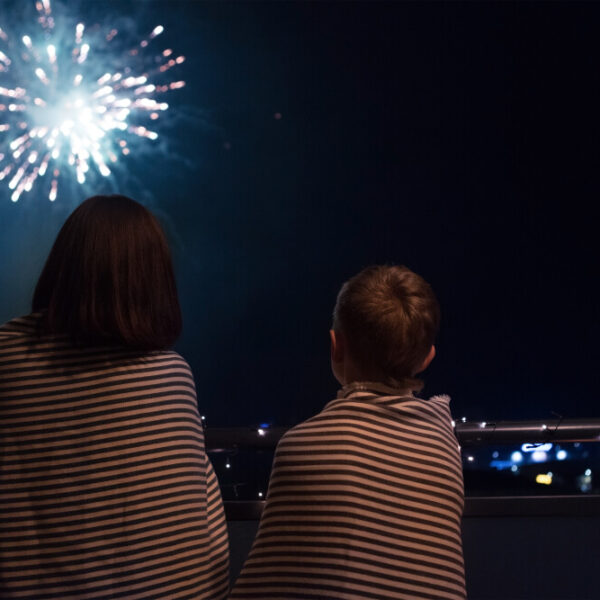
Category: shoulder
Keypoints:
(166, 362)
(20, 326)
(440, 400)
(156, 378)
(317, 427)
(19, 335)
(168, 357)
(440, 404)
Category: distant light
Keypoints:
(544, 427)
(495, 454)
(261, 432)
(260, 494)
(514, 468)
(500, 464)
(516, 456)
(588, 472)
(228, 465)
(561, 454)
(536, 448)
(482, 425)
(264, 425)
(539, 456)
(470, 458)
(464, 419)
(544, 478)
(453, 423)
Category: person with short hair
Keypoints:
(106, 490)
(365, 499)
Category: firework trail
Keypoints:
(73, 100)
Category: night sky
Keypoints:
(315, 138)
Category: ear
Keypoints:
(337, 346)
(427, 360)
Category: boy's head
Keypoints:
(384, 324)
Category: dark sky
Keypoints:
(460, 139)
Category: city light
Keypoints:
(544, 478)
(516, 456)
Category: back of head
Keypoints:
(109, 278)
(389, 317)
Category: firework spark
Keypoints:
(72, 103)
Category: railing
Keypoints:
(469, 434)
(520, 546)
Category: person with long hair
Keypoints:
(106, 490)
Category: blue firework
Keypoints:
(74, 100)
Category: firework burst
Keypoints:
(73, 100)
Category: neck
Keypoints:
(376, 387)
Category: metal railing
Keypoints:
(469, 434)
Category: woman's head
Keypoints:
(109, 278)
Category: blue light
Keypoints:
(501, 464)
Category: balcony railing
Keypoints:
(468, 433)
(517, 546)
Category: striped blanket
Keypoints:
(365, 501)
(105, 487)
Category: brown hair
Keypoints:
(109, 278)
(389, 317)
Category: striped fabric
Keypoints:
(365, 501)
(105, 487)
